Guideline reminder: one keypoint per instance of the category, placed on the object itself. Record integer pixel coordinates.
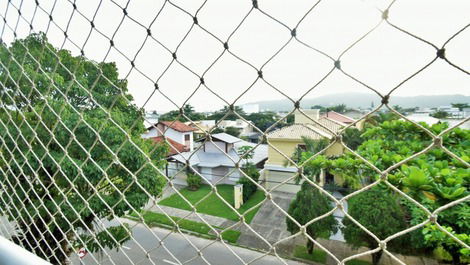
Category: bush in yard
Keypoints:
(309, 203)
(249, 188)
(379, 211)
(194, 181)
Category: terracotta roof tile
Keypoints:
(175, 147)
(178, 126)
(333, 115)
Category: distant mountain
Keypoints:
(356, 100)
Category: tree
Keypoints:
(340, 108)
(319, 107)
(434, 179)
(217, 130)
(71, 152)
(310, 203)
(379, 211)
(218, 115)
(352, 138)
(188, 111)
(263, 120)
(232, 131)
(461, 106)
(440, 114)
(245, 152)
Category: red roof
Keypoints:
(333, 115)
(175, 147)
(178, 126)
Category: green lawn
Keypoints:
(158, 219)
(318, 255)
(357, 262)
(213, 205)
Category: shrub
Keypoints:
(194, 181)
(379, 211)
(249, 188)
(310, 203)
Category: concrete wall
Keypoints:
(313, 114)
(210, 147)
(274, 178)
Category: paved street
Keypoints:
(216, 253)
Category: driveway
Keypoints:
(270, 223)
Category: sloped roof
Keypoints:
(217, 159)
(297, 131)
(333, 115)
(178, 126)
(309, 130)
(225, 137)
(175, 147)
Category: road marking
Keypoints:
(169, 262)
(126, 247)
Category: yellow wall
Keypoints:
(287, 147)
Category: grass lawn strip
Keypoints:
(158, 219)
(213, 205)
(318, 255)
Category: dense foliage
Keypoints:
(434, 179)
(189, 114)
(71, 152)
(194, 181)
(377, 210)
(249, 186)
(308, 204)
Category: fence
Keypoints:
(76, 173)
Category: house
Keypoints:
(453, 112)
(354, 114)
(179, 135)
(422, 117)
(245, 128)
(285, 141)
(201, 127)
(216, 159)
(342, 118)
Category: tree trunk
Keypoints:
(310, 246)
(376, 257)
(455, 257)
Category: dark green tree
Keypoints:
(232, 131)
(440, 114)
(352, 138)
(434, 179)
(320, 107)
(71, 152)
(263, 120)
(217, 130)
(218, 115)
(310, 203)
(188, 111)
(461, 106)
(379, 211)
(340, 108)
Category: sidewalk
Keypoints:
(212, 220)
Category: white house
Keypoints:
(245, 128)
(175, 132)
(216, 159)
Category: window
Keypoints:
(187, 137)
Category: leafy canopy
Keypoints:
(71, 151)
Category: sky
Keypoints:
(381, 60)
